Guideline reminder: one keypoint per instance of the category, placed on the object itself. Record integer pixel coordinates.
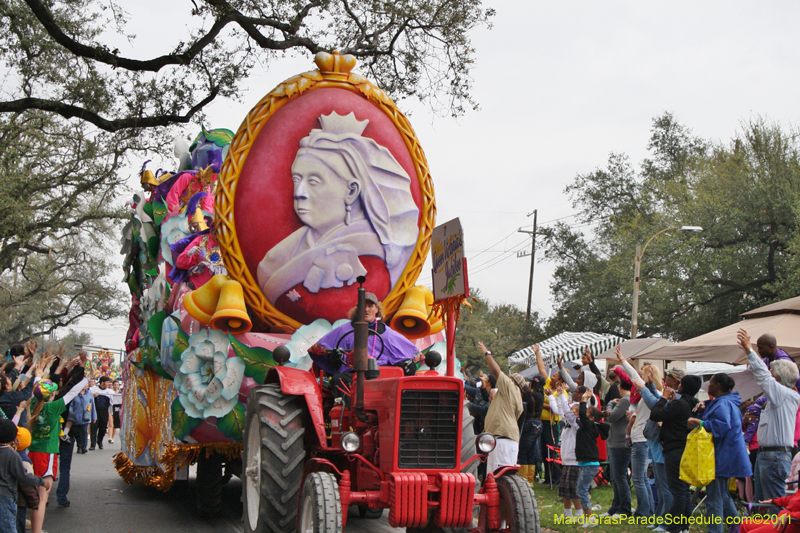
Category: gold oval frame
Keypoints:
(333, 73)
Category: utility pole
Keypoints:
(533, 257)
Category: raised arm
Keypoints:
(604, 384)
(619, 411)
(563, 405)
(74, 391)
(565, 377)
(539, 361)
(774, 391)
(493, 366)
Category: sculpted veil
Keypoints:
(354, 199)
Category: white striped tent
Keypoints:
(568, 343)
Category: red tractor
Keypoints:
(403, 443)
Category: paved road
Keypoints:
(102, 503)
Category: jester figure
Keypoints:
(207, 154)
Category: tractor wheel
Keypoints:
(467, 451)
(320, 507)
(210, 481)
(273, 460)
(518, 508)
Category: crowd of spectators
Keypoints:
(47, 403)
(630, 426)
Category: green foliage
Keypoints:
(501, 327)
(75, 111)
(232, 424)
(257, 360)
(58, 185)
(72, 342)
(418, 48)
(182, 424)
(745, 194)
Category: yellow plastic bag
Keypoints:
(697, 462)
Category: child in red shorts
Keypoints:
(45, 427)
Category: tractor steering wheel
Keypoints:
(371, 332)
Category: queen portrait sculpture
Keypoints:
(354, 199)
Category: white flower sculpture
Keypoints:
(208, 380)
(173, 230)
(304, 338)
(152, 300)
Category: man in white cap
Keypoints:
(504, 411)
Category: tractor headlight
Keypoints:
(485, 443)
(350, 442)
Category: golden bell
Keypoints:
(411, 320)
(231, 314)
(201, 303)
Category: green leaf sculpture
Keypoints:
(183, 424)
(232, 424)
(154, 325)
(181, 341)
(159, 212)
(257, 360)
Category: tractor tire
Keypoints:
(518, 508)
(273, 460)
(320, 507)
(210, 481)
(467, 451)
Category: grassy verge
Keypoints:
(550, 506)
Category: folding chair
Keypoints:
(554, 458)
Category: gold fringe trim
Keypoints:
(447, 306)
(174, 458)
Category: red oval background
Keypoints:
(263, 206)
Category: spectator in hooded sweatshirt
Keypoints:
(587, 454)
(619, 455)
(777, 421)
(674, 417)
(568, 482)
(549, 437)
(723, 419)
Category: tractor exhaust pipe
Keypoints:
(360, 339)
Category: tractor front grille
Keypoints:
(429, 429)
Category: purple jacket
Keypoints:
(396, 348)
(755, 409)
(780, 354)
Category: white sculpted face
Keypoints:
(354, 199)
(320, 195)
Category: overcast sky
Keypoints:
(561, 85)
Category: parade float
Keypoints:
(248, 254)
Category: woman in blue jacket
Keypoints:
(723, 419)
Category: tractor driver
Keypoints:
(396, 349)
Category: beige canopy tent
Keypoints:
(635, 347)
(781, 319)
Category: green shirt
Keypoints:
(44, 436)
